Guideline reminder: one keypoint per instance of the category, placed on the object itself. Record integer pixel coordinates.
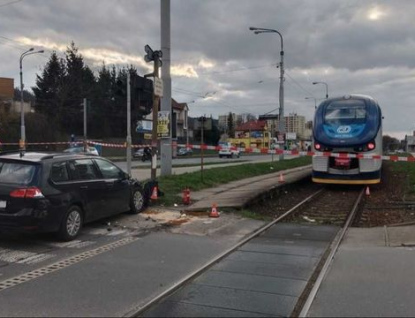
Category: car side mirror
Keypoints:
(124, 175)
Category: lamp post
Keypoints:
(327, 87)
(22, 142)
(281, 97)
(315, 101)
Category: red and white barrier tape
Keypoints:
(245, 150)
(304, 153)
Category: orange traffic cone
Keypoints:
(154, 194)
(367, 191)
(281, 178)
(214, 213)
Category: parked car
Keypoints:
(80, 149)
(185, 152)
(60, 192)
(227, 150)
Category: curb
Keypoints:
(265, 194)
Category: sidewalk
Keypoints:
(239, 193)
(371, 276)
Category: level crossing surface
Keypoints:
(264, 277)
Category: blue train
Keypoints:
(350, 129)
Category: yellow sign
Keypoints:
(163, 124)
(147, 136)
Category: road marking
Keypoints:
(117, 232)
(72, 244)
(22, 257)
(14, 281)
(35, 259)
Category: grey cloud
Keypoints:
(362, 56)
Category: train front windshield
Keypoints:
(345, 112)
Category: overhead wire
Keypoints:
(299, 85)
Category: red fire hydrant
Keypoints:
(186, 196)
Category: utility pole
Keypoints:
(281, 127)
(85, 124)
(202, 129)
(166, 143)
(22, 141)
(281, 112)
(129, 123)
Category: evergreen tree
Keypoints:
(101, 105)
(231, 126)
(49, 90)
(79, 82)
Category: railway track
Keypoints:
(276, 271)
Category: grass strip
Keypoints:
(173, 185)
(408, 168)
(188, 165)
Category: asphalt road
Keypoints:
(112, 283)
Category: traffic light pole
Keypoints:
(85, 144)
(128, 123)
(154, 142)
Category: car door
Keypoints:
(91, 187)
(118, 187)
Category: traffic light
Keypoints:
(152, 55)
(149, 54)
(142, 94)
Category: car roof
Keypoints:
(40, 156)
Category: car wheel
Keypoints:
(138, 202)
(71, 224)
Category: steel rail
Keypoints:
(329, 260)
(137, 311)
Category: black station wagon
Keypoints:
(59, 192)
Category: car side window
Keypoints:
(83, 169)
(108, 170)
(59, 172)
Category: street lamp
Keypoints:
(281, 111)
(315, 101)
(22, 142)
(327, 87)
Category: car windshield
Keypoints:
(17, 173)
(345, 112)
(224, 144)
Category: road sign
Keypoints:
(158, 87)
(144, 126)
(163, 124)
(147, 136)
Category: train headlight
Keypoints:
(317, 146)
(371, 146)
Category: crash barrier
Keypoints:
(243, 150)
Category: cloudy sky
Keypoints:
(218, 65)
